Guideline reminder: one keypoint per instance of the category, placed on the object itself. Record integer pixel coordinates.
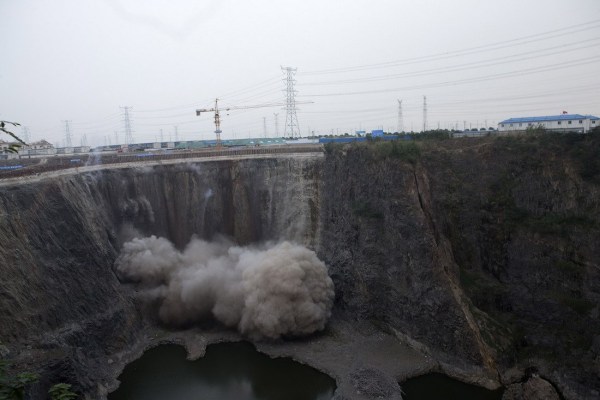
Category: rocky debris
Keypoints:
(534, 388)
(371, 383)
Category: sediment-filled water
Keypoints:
(227, 371)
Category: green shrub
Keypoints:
(13, 388)
(61, 391)
(403, 150)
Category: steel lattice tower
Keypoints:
(265, 127)
(276, 124)
(292, 128)
(25, 134)
(68, 141)
(424, 113)
(127, 125)
(400, 127)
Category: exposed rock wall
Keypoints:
(523, 218)
(482, 252)
(62, 306)
(486, 251)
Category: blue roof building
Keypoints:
(559, 123)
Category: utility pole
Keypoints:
(292, 128)
(276, 124)
(424, 113)
(68, 142)
(265, 127)
(400, 127)
(127, 125)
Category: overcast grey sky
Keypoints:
(476, 61)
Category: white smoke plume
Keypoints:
(264, 291)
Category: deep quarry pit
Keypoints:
(440, 263)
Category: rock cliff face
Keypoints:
(63, 307)
(486, 251)
(482, 253)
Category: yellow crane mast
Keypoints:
(216, 110)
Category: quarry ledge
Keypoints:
(345, 351)
(151, 163)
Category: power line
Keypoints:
(493, 62)
(467, 51)
(526, 71)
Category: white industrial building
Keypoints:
(557, 123)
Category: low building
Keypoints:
(39, 148)
(4, 153)
(4, 146)
(557, 123)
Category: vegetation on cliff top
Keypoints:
(13, 387)
(536, 145)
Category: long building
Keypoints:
(558, 123)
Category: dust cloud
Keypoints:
(265, 291)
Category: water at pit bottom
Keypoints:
(227, 371)
(441, 387)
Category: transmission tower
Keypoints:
(25, 134)
(84, 141)
(276, 124)
(400, 119)
(68, 142)
(176, 133)
(292, 128)
(265, 126)
(424, 113)
(127, 125)
(116, 137)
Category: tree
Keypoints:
(13, 148)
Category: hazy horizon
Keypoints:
(477, 63)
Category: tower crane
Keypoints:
(216, 110)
